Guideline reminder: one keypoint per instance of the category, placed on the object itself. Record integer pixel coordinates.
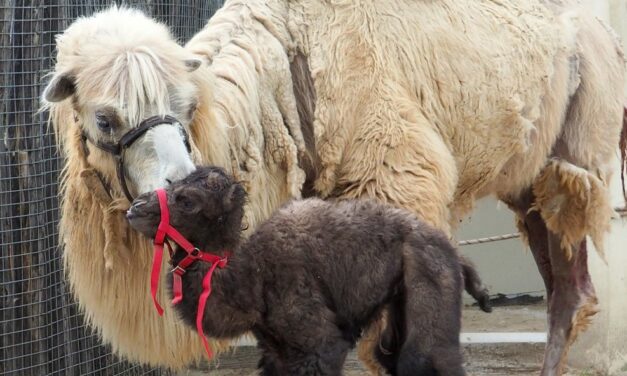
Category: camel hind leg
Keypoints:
(573, 203)
(571, 304)
(571, 193)
(534, 233)
(570, 293)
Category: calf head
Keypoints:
(206, 207)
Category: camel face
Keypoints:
(116, 80)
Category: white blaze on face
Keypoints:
(157, 158)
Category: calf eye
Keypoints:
(184, 201)
(103, 123)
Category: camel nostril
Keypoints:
(168, 181)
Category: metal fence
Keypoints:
(41, 330)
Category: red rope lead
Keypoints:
(162, 231)
(202, 302)
(193, 255)
(154, 276)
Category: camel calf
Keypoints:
(312, 277)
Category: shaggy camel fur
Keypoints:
(426, 105)
(311, 277)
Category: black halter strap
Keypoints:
(117, 149)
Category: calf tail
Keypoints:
(473, 284)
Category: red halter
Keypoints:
(193, 255)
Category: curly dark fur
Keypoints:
(314, 275)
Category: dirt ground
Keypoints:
(528, 318)
(520, 359)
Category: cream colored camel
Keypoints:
(427, 105)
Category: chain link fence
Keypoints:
(41, 329)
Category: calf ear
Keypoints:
(60, 87)
(234, 197)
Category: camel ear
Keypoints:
(234, 197)
(60, 87)
(192, 64)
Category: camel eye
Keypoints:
(103, 123)
(192, 110)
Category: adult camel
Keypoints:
(426, 105)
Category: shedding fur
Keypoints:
(113, 241)
(573, 204)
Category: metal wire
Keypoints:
(41, 329)
(622, 212)
(489, 239)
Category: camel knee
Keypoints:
(573, 203)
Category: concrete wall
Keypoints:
(506, 267)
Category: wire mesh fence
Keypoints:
(41, 330)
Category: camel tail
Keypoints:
(623, 152)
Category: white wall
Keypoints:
(505, 266)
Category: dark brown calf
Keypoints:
(314, 275)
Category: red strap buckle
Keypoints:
(178, 270)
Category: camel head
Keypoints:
(206, 207)
(119, 71)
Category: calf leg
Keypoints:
(431, 313)
(392, 337)
(268, 366)
(326, 360)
